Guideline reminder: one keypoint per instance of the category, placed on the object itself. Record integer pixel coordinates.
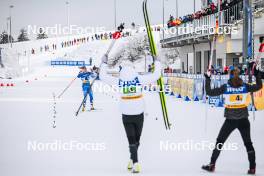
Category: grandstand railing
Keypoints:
(203, 26)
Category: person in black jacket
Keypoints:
(236, 114)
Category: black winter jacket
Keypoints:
(238, 113)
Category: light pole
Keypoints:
(177, 16)
(177, 9)
(7, 29)
(194, 7)
(68, 15)
(163, 19)
(115, 13)
(10, 23)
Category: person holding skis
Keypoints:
(131, 103)
(236, 113)
(85, 76)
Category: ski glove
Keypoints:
(256, 70)
(207, 75)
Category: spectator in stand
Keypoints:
(210, 9)
(170, 22)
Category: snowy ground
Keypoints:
(27, 115)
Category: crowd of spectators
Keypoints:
(76, 41)
(212, 8)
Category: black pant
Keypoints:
(133, 125)
(228, 127)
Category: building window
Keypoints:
(183, 67)
(219, 63)
(235, 62)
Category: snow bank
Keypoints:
(10, 61)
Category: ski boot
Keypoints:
(136, 168)
(209, 167)
(252, 171)
(130, 165)
(83, 108)
(92, 107)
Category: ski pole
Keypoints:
(84, 99)
(252, 96)
(91, 84)
(206, 105)
(67, 87)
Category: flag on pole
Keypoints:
(249, 46)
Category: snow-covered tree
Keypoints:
(169, 55)
(22, 36)
(129, 48)
(5, 38)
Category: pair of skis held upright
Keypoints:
(153, 51)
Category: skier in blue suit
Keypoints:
(85, 76)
